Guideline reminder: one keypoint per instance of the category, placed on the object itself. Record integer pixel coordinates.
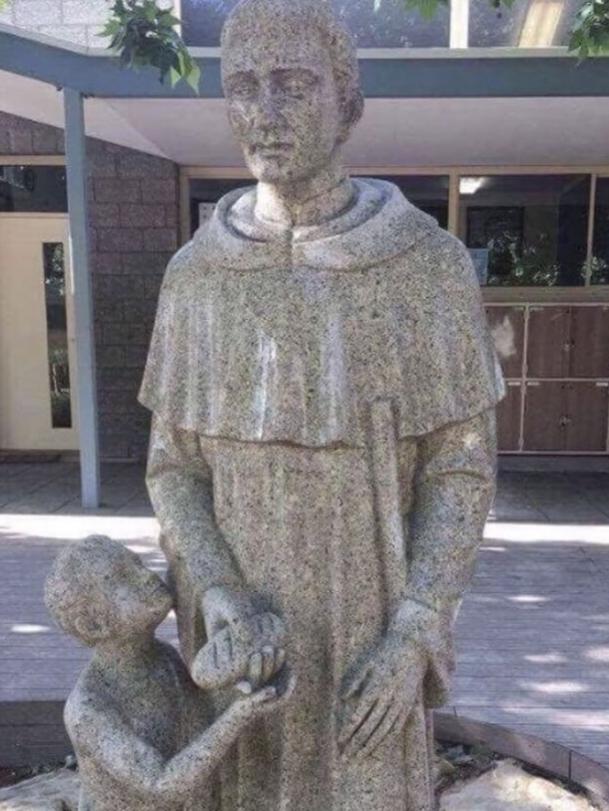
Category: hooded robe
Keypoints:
(268, 350)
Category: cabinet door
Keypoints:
(587, 410)
(549, 343)
(590, 341)
(508, 418)
(544, 416)
(507, 328)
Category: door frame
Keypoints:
(70, 313)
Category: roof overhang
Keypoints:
(424, 109)
(404, 73)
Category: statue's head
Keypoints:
(291, 80)
(98, 590)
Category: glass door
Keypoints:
(37, 351)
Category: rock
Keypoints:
(508, 787)
(57, 791)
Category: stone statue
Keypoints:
(135, 718)
(322, 457)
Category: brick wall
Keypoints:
(78, 21)
(134, 226)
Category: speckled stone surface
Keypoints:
(322, 458)
(56, 791)
(138, 724)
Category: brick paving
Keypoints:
(533, 633)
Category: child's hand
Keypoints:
(265, 700)
(247, 655)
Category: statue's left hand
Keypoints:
(381, 696)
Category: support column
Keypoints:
(459, 23)
(86, 384)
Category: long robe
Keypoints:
(267, 354)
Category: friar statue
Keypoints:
(322, 458)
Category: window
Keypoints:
(427, 192)
(599, 271)
(33, 188)
(57, 333)
(390, 25)
(205, 193)
(526, 230)
(527, 24)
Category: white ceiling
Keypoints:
(394, 132)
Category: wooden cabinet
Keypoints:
(507, 328)
(587, 411)
(568, 342)
(544, 407)
(556, 362)
(589, 342)
(508, 418)
(549, 342)
(566, 416)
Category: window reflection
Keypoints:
(427, 192)
(57, 334)
(33, 188)
(527, 24)
(386, 25)
(599, 272)
(205, 193)
(526, 230)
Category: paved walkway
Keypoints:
(533, 634)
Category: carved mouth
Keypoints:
(270, 149)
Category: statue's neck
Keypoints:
(307, 202)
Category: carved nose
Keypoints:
(267, 115)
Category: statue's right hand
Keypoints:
(225, 607)
(243, 646)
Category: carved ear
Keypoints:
(352, 109)
(89, 628)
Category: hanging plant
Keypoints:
(145, 35)
(590, 35)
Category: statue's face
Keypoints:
(283, 104)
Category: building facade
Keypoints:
(523, 181)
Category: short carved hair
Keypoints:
(302, 16)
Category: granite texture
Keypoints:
(138, 723)
(322, 457)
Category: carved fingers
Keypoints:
(264, 664)
(380, 699)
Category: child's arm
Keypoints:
(195, 764)
(102, 737)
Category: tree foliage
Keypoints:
(144, 34)
(589, 36)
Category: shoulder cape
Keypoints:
(289, 340)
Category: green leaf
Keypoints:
(193, 77)
(426, 8)
(143, 34)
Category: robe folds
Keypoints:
(267, 353)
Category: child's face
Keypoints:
(137, 600)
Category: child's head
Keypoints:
(98, 590)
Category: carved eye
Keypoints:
(296, 84)
(242, 87)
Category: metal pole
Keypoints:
(76, 166)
